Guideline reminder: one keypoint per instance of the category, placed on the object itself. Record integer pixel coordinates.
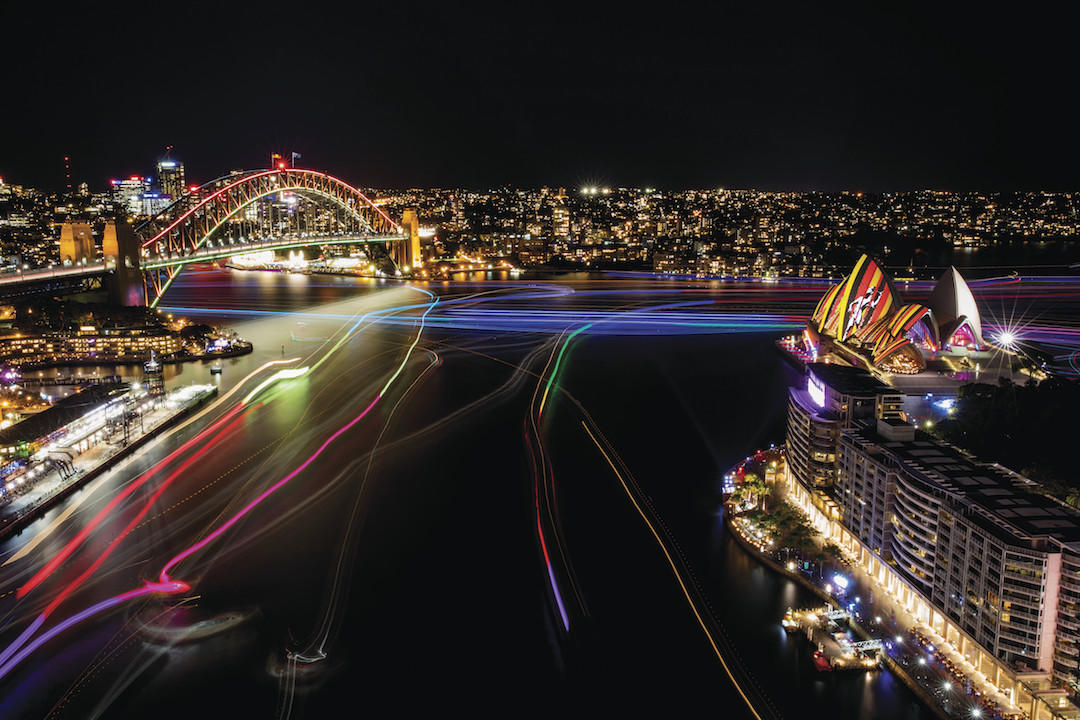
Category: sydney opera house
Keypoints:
(864, 320)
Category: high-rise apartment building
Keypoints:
(976, 540)
(834, 397)
(971, 549)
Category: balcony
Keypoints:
(1067, 649)
(1068, 622)
(1066, 661)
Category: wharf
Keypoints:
(834, 644)
(52, 487)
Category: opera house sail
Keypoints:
(865, 320)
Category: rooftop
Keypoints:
(849, 380)
(1004, 502)
(63, 412)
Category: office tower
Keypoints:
(171, 178)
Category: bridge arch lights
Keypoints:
(181, 234)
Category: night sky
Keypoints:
(664, 95)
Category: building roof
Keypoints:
(864, 297)
(63, 412)
(952, 300)
(849, 380)
(1004, 502)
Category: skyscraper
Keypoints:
(171, 178)
(128, 194)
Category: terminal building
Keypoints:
(971, 549)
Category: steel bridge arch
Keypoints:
(184, 227)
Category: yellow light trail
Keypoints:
(675, 571)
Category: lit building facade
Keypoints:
(171, 178)
(969, 549)
(988, 552)
(834, 397)
(89, 343)
(154, 202)
(128, 194)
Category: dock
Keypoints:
(832, 643)
(48, 481)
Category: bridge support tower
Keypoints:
(120, 245)
(76, 243)
(407, 252)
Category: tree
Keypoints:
(758, 488)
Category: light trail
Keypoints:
(13, 655)
(286, 374)
(163, 588)
(542, 478)
(676, 573)
(164, 575)
(75, 542)
(150, 502)
(558, 362)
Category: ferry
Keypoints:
(215, 369)
(789, 623)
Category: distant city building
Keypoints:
(154, 202)
(128, 194)
(171, 178)
(560, 223)
(88, 343)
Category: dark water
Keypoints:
(446, 605)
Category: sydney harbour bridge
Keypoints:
(237, 214)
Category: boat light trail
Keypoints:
(89, 492)
(13, 655)
(75, 542)
(675, 571)
(283, 374)
(558, 362)
(217, 532)
(171, 587)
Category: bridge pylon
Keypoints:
(76, 243)
(407, 252)
(120, 245)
